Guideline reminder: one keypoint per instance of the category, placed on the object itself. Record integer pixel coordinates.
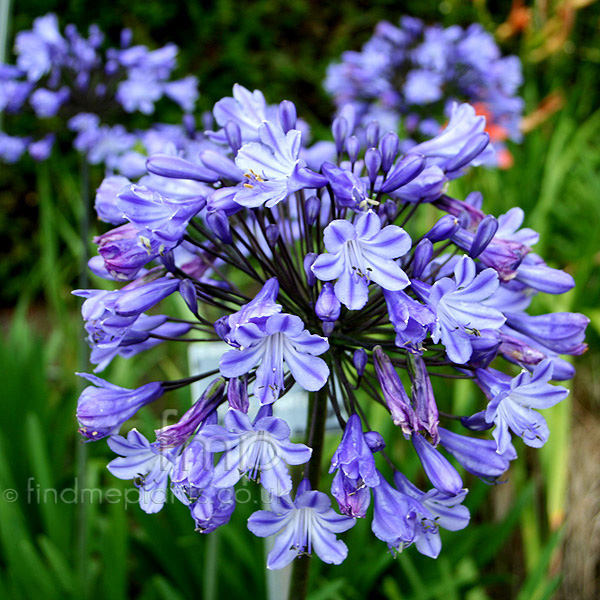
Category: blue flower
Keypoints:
(513, 403)
(360, 253)
(461, 310)
(273, 168)
(281, 339)
(302, 526)
(437, 510)
(356, 469)
(261, 450)
(149, 468)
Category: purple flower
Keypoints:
(273, 167)
(47, 103)
(145, 464)
(359, 253)
(395, 516)
(513, 403)
(437, 510)
(183, 91)
(443, 476)
(103, 409)
(476, 455)
(459, 144)
(302, 526)
(106, 199)
(461, 309)
(281, 339)
(261, 450)
(212, 508)
(41, 149)
(354, 459)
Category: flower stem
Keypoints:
(316, 435)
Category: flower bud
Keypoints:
(375, 441)
(188, 293)
(221, 165)
(443, 476)
(404, 171)
(327, 327)
(391, 209)
(234, 136)
(444, 229)
(352, 148)
(219, 224)
(287, 115)
(360, 360)
(313, 208)
(388, 146)
(272, 234)
(372, 162)
(486, 230)
(340, 131)
(175, 167)
(309, 259)
(372, 134)
(422, 256)
(328, 306)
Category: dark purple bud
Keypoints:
(234, 136)
(443, 476)
(222, 327)
(175, 167)
(188, 292)
(175, 435)
(309, 260)
(477, 456)
(444, 229)
(287, 115)
(168, 260)
(404, 171)
(372, 162)
(422, 396)
(375, 441)
(189, 123)
(396, 398)
(327, 327)
(352, 148)
(272, 234)
(360, 360)
(328, 306)
(219, 224)
(485, 347)
(372, 134)
(339, 129)
(223, 166)
(313, 208)
(476, 422)
(485, 233)
(389, 149)
(237, 394)
(126, 37)
(423, 254)
(391, 209)
(101, 410)
(138, 299)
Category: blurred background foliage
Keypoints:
(532, 538)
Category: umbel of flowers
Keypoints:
(71, 77)
(416, 72)
(313, 271)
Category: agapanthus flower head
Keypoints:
(407, 72)
(317, 278)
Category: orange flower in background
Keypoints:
(497, 133)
